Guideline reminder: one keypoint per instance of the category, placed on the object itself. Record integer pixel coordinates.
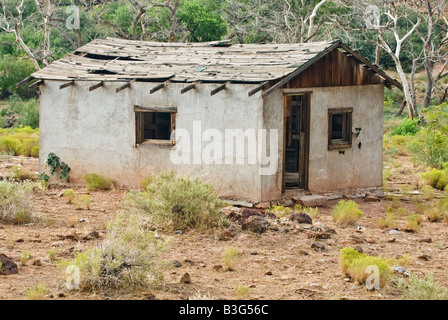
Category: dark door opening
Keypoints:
(296, 141)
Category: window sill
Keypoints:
(158, 143)
(337, 146)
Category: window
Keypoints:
(154, 124)
(340, 128)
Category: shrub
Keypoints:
(431, 144)
(312, 212)
(22, 174)
(69, 195)
(436, 178)
(176, 203)
(83, 202)
(346, 213)
(387, 222)
(15, 202)
(407, 127)
(97, 182)
(25, 257)
(414, 222)
(126, 260)
(23, 141)
(355, 264)
(26, 111)
(37, 293)
(241, 291)
(422, 289)
(437, 211)
(230, 256)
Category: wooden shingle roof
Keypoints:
(113, 59)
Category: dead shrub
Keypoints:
(15, 202)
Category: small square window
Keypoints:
(340, 128)
(154, 126)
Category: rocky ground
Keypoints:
(279, 258)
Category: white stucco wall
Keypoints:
(332, 170)
(95, 131)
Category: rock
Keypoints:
(302, 252)
(256, 224)
(254, 253)
(301, 218)
(150, 297)
(394, 232)
(263, 205)
(427, 240)
(232, 213)
(312, 201)
(370, 240)
(318, 246)
(318, 235)
(176, 264)
(8, 266)
(320, 227)
(241, 203)
(178, 232)
(92, 235)
(371, 199)
(217, 267)
(274, 228)
(268, 273)
(400, 270)
(185, 278)
(359, 249)
(356, 239)
(247, 213)
(36, 262)
(391, 240)
(228, 234)
(424, 257)
(61, 294)
(20, 240)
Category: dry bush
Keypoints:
(97, 182)
(15, 202)
(346, 213)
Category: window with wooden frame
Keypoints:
(155, 124)
(340, 128)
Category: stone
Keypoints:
(318, 235)
(318, 246)
(427, 240)
(247, 213)
(394, 232)
(263, 205)
(217, 267)
(301, 218)
(228, 234)
(254, 253)
(255, 224)
(391, 240)
(241, 203)
(150, 297)
(92, 235)
(61, 294)
(359, 249)
(232, 213)
(176, 264)
(178, 232)
(312, 201)
(370, 240)
(268, 273)
(400, 270)
(424, 257)
(185, 278)
(8, 266)
(371, 199)
(36, 262)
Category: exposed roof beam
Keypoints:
(259, 88)
(36, 84)
(220, 88)
(127, 85)
(98, 85)
(26, 80)
(159, 87)
(189, 87)
(66, 85)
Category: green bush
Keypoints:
(26, 111)
(436, 178)
(15, 202)
(407, 127)
(13, 70)
(431, 144)
(422, 289)
(97, 182)
(346, 213)
(127, 259)
(355, 264)
(23, 141)
(178, 203)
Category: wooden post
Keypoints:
(98, 85)
(158, 87)
(127, 85)
(68, 84)
(220, 88)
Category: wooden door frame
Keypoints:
(307, 100)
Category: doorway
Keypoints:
(296, 141)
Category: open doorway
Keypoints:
(296, 141)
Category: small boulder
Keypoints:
(185, 278)
(8, 266)
(318, 246)
(301, 218)
(256, 224)
(371, 199)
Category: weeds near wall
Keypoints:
(54, 163)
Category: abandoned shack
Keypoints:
(260, 122)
